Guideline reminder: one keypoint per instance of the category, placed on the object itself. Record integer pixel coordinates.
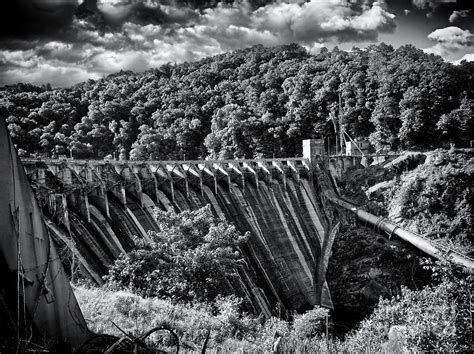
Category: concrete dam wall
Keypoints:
(94, 209)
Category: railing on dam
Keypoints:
(109, 174)
(241, 162)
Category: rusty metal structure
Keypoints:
(37, 303)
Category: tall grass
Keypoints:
(437, 318)
(102, 308)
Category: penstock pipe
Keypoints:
(418, 241)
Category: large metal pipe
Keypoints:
(418, 241)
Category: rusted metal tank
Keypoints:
(37, 302)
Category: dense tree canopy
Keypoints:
(193, 257)
(252, 102)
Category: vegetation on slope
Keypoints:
(430, 194)
(436, 318)
(136, 315)
(252, 102)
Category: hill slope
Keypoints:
(253, 102)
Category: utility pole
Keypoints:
(341, 125)
(334, 123)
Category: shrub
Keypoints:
(436, 318)
(311, 323)
(193, 258)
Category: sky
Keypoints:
(63, 42)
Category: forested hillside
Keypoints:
(248, 103)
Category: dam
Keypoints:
(94, 209)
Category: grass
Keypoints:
(436, 319)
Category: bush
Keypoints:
(436, 318)
(429, 193)
(311, 323)
(193, 258)
(436, 199)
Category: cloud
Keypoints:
(431, 4)
(421, 4)
(26, 66)
(453, 36)
(459, 15)
(467, 57)
(114, 13)
(317, 20)
(144, 36)
(315, 48)
(450, 40)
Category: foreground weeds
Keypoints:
(437, 318)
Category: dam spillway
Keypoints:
(96, 208)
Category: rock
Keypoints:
(374, 272)
(364, 267)
(373, 290)
(379, 188)
(397, 340)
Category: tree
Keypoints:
(226, 139)
(252, 102)
(191, 258)
(437, 318)
(385, 119)
(417, 125)
(458, 124)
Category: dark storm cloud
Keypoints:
(53, 18)
(106, 36)
(431, 4)
(114, 13)
(35, 17)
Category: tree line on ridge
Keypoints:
(255, 102)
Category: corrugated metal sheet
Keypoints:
(34, 285)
